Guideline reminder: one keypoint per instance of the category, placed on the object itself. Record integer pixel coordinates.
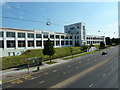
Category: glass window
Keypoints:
(57, 36)
(10, 34)
(21, 43)
(1, 34)
(57, 43)
(52, 36)
(10, 43)
(38, 35)
(21, 35)
(1, 44)
(30, 43)
(62, 37)
(45, 36)
(30, 35)
(71, 37)
(66, 37)
(38, 43)
(71, 42)
(62, 42)
(66, 42)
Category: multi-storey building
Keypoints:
(16, 41)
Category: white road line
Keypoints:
(42, 82)
(69, 66)
(54, 70)
(91, 85)
(33, 78)
(103, 75)
(63, 72)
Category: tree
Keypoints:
(108, 41)
(48, 49)
(102, 45)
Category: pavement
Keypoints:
(49, 75)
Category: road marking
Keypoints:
(54, 70)
(103, 75)
(41, 82)
(95, 59)
(91, 85)
(81, 74)
(80, 62)
(69, 66)
(33, 78)
(87, 63)
(63, 72)
(77, 67)
(88, 59)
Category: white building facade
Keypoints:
(16, 41)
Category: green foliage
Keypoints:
(102, 45)
(108, 41)
(51, 62)
(85, 47)
(48, 48)
(14, 61)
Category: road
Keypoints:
(89, 71)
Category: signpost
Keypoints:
(33, 60)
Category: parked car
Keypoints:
(104, 53)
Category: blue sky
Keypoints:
(101, 16)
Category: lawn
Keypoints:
(15, 61)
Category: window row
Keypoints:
(22, 43)
(31, 35)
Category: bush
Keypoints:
(84, 48)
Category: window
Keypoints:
(10, 43)
(21, 35)
(66, 37)
(10, 34)
(62, 37)
(52, 36)
(38, 43)
(62, 42)
(21, 43)
(30, 43)
(83, 27)
(77, 37)
(72, 28)
(1, 34)
(45, 36)
(57, 43)
(66, 42)
(71, 42)
(78, 27)
(71, 37)
(30, 35)
(2, 44)
(38, 35)
(57, 36)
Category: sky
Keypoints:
(101, 16)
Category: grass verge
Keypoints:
(81, 54)
(52, 62)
